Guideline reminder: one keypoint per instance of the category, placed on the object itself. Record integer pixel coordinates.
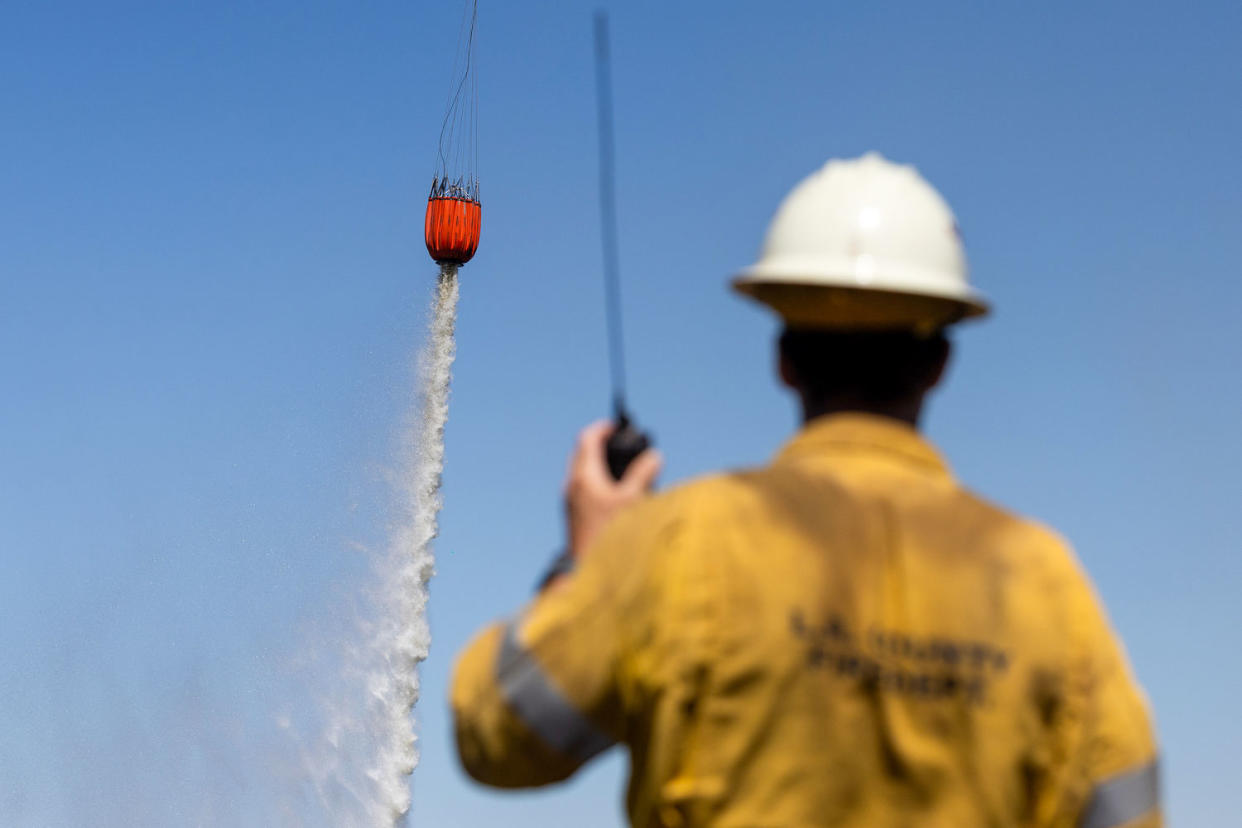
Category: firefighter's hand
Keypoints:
(592, 497)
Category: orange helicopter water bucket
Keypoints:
(452, 228)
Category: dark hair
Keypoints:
(870, 366)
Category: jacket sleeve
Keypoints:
(1119, 751)
(535, 698)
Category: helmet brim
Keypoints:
(822, 304)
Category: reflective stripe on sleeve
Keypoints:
(1123, 798)
(541, 706)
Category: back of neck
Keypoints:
(906, 411)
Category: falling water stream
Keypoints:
(318, 733)
(356, 748)
(402, 637)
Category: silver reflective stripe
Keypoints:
(1124, 798)
(543, 707)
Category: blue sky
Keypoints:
(213, 284)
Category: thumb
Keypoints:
(642, 473)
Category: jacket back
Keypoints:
(844, 638)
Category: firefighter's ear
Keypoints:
(940, 363)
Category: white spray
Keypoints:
(340, 746)
(403, 638)
(355, 746)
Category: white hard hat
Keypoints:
(864, 243)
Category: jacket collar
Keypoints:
(857, 433)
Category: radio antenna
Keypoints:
(608, 215)
(626, 442)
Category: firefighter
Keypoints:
(848, 636)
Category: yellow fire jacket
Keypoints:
(845, 638)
